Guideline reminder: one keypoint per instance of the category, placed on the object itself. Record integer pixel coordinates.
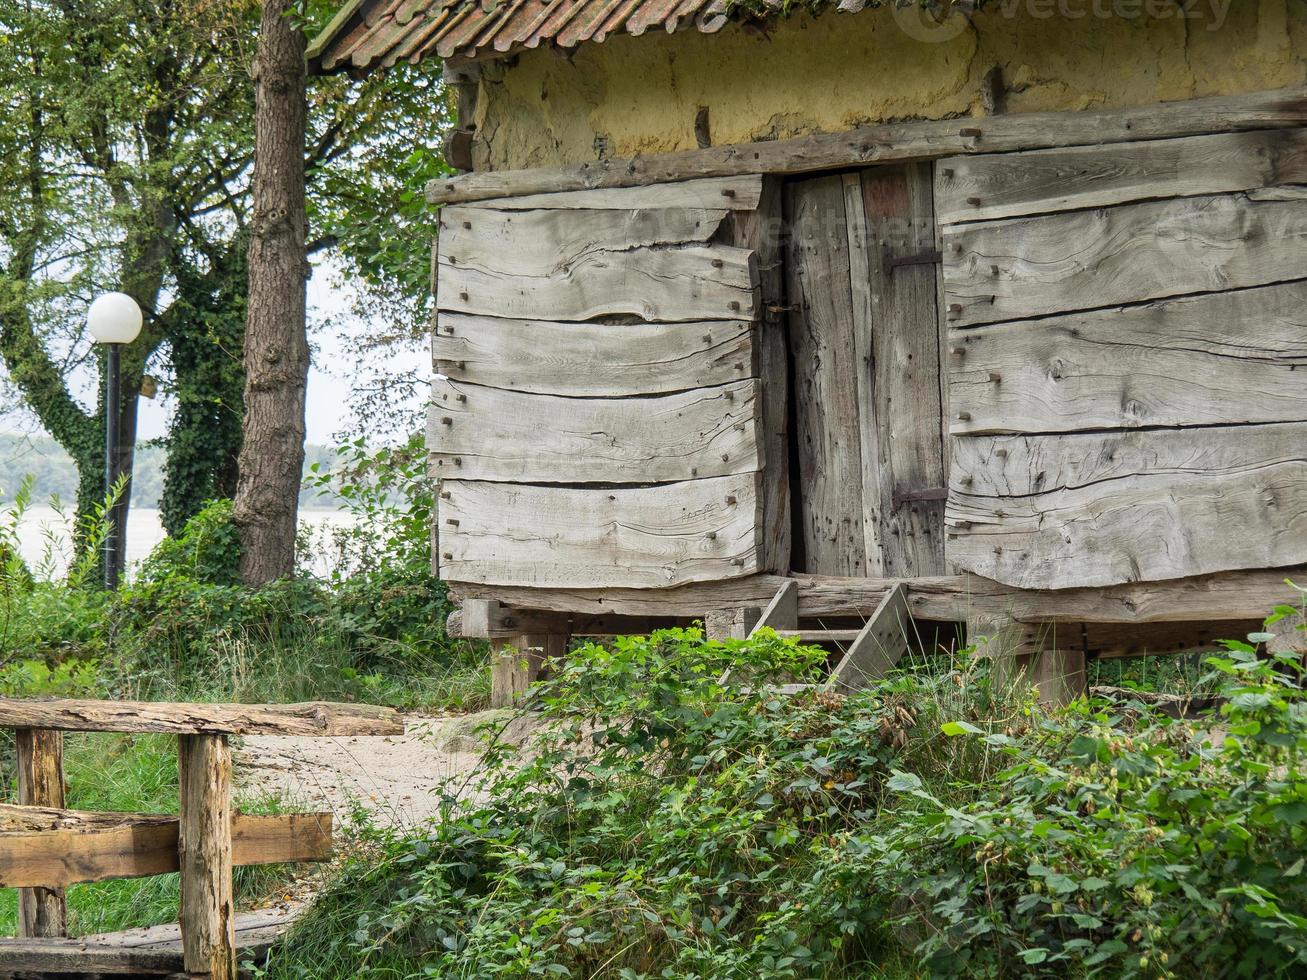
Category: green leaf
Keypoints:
(954, 728)
(902, 782)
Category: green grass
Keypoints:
(295, 664)
(133, 773)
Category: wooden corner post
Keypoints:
(205, 856)
(42, 912)
(516, 663)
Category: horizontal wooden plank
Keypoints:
(575, 359)
(1093, 509)
(1028, 267)
(547, 243)
(695, 282)
(477, 433)
(154, 950)
(737, 193)
(1214, 359)
(646, 537)
(1006, 185)
(948, 598)
(139, 845)
(895, 142)
(321, 718)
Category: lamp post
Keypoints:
(114, 319)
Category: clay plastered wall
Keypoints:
(633, 95)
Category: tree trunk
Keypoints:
(276, 348)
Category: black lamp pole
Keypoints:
(112, 437)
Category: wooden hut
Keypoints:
(850, 317)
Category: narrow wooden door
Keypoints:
(862, 273)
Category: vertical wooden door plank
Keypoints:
(906, 410)
(204, 853)
(865, 250)
(825, 379)
(759, 230)
(42, 912)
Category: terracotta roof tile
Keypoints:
(367, 34)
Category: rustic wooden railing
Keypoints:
(45, 847)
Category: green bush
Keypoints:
(664, 825)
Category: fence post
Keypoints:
(42, 912)
(204, 852)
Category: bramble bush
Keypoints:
(665, 825)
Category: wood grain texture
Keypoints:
(42, 908)
(79, 846)
(1027, 267)
(826, 372)
(1006, 185)
(757, 230)
(493, 434)
(310, 718)
(900, 408)
(1219, 358)
(582, 264)
(204, 854)
(696, 282)
(1095, 509)
(647, 537)
(545, 242)
(896, 142)
(947, 598)
(600, 359)
(738, 193)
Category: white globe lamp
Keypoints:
(114, 318)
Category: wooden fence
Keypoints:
(45, 847)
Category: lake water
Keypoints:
(43, 534)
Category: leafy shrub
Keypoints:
(665, 826)
(207, 551)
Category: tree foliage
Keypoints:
(126, 148)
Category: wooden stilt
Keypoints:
(1059, 675)
(516, 664)
(205, 856)
(42, 912)
(1030, 653)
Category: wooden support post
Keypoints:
(1030, 653)
(1058, 675)
(999, 637)
(731, 624)
(42, 912)
(516, 664)
(205, 856)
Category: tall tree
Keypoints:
(276, 341)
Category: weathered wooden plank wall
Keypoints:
(587, 537)
(593, 358)
(533, 438)
(1127, 383)
(598, 391)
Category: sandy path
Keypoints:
(397, 779)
